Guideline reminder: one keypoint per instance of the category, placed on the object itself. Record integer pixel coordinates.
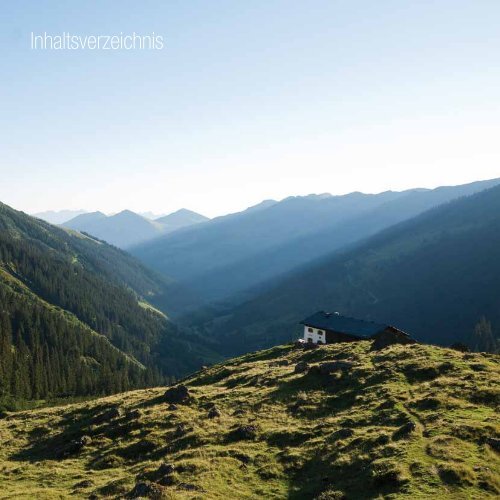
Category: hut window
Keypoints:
(310, 330)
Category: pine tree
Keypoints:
(483, 338)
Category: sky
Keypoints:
(247, 100)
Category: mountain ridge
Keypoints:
(433, 273)
(230, 254)
(128, 228)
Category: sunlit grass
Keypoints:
(328, 437)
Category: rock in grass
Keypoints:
(73, 448)
(301, 367)
(147, 490)
(166, 469)
(177, 394)
(404, 431)
(180, 430)
(333, 366)
(494, 443)
(242, 457)
(85, 440)
(110, 414)
(86, 483)
(341, 434)
(214, 412)
(244, 432)
(133, 414)
(190, 487)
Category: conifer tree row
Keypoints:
(71, 320)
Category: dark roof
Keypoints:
(343, 324)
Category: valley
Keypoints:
(250, 250)
(82, 320)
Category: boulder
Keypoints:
(85, 440)
(314, 370)
(147, 490)
(172, 407)
(116, 412)
(108, 415)
(180, 430)
(144, 447)
(341, 434)
(214, 412)
(405, 430)
(242, 457)
(121, 430)
(494, 443)
(166, 469)
(333, 366)
(72, 448)
(301, 367)
(244, 432)
(133, 415)
(177, 394)
(86, 483)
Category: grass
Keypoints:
(149, 307)
(405, 422)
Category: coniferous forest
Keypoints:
(73, 317)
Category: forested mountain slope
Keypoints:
(230, 254)
(407, 422)
(434, 276)
(74, 316)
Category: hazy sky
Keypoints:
(249, 99)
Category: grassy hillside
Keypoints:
(405, 422)
(74, 311)
(434, 276)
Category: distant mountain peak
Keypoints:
(59, 216)
(181, 218)
(129, 213)
(127, 228)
